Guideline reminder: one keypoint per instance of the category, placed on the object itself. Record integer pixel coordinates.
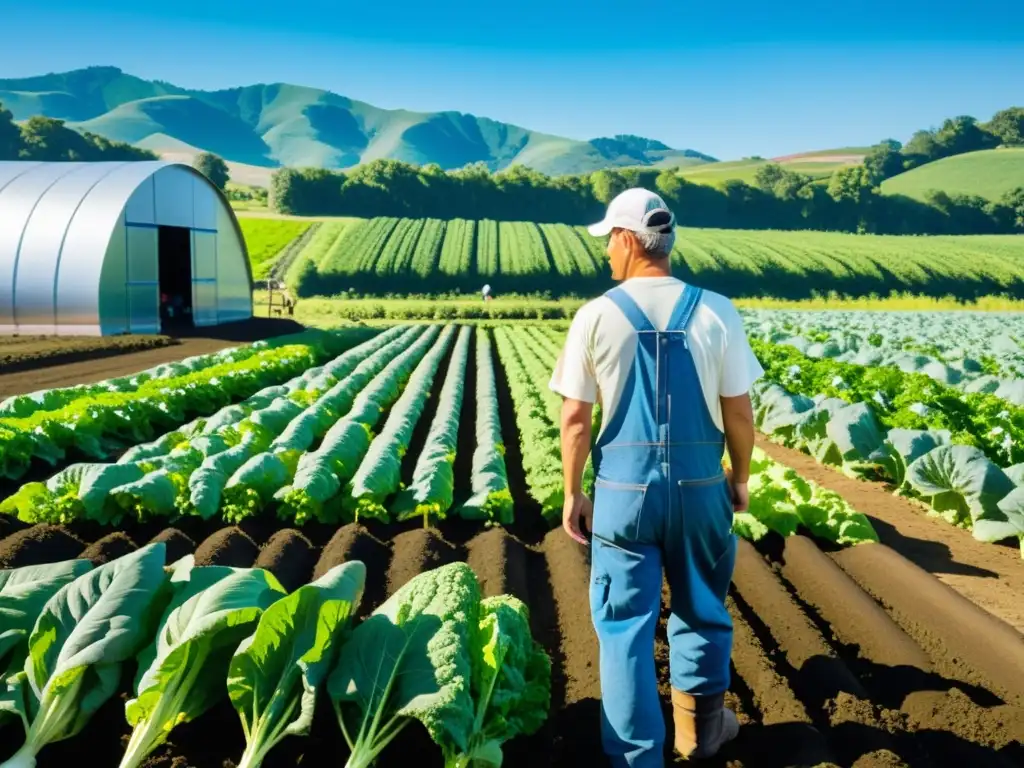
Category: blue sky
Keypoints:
(728, 78)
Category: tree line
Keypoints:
(47, 139)
(850, 200)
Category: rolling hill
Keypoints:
(989, 173)
(818, 165)
(273, 125)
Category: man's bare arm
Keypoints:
(576, 420)
(738, 419)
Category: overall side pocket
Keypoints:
(707, 515)
(618, 512)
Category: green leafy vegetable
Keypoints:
(410, 659)
(182, 672)
(276, 673)
(86, 630)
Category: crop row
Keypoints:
(265, 239)
(436, 652)
(305, 448)
(101, 420)
(974, 352)
(956, 452)
(420, 254)
(733, 262)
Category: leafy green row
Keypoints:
(903, 400)
(100, 424)
(20, 406)
(466, 668)
(380, 473)
(431, 492)
(321, 475)
(538, 435)
(242, 480)
(491, 498)
(782, 501)
(958, 481)
(253, 485)
(185, 471)
(103, 423)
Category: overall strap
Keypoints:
(685, 308)
(630, 309)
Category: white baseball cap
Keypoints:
(635, 210)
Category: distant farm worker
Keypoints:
(486, 292)
(671, 366)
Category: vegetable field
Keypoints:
(387, 255)
(164, 583)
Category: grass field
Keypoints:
(266, 238)
(389, 256)
(818, 165)
(989, 174)
(334, 311)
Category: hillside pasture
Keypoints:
(990, 173)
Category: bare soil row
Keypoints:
(33, 363)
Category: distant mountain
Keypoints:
(289, 125)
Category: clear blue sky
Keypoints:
(728, 78)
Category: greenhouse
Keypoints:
(117, 247)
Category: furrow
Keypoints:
(575, 681)
(785, 731)
(833, 696)
(964, 642)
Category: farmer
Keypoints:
(671, 366)
(486, 292)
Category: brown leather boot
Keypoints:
(703, 724)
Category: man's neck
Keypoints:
(645, 268)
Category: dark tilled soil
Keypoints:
(838, 659)
(290, 556)
(22, 353)
(65, 361)
(989, 576)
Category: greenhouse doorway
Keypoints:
(174, 249)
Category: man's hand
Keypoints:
(576, 508)
(740, 496)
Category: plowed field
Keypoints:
(905, 652)
(856, 657)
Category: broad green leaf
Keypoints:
(960, 481)
(276, 674)
(84, 632)
(182, 672)
(410, 659)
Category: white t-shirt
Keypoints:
(599, 349)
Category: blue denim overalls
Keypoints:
(660, 499)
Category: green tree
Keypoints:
(962, 134)
(10, 136)
(852, 184)
(1008, 126)
(884, 161)
(606, 185)
(768, 176)
(1014, 200)
(214, 168)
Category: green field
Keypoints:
(388, 256)
(990, 174)
(745, 170)
(266, 238)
